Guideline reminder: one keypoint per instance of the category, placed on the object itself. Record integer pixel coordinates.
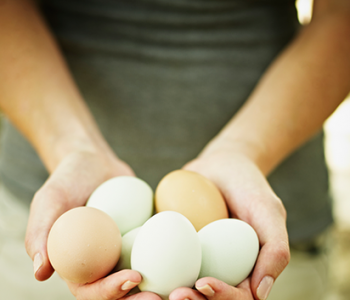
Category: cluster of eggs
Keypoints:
(189, 237)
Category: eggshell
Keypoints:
(84, 245)
(167, 253)
(127, 199)
(229, 250)
(192, 195)
(127, 243)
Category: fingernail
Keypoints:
(38, 262)
(207, 290)
(128, 285)
(265, 287)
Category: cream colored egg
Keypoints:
(127, 244)
(84, 245)
(192, 195)
(127, 199)
(167, 253)
(229, 250)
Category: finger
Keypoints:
(46, 207)
(111, 287)
(142, 296)
(215, 289)
(273, 258)
(183, 293)
(274, 254)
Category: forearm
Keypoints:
(298, 92)
(36, 90)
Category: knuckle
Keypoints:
(108, 295)
(75, 294)
(280, 207)
(41, 197)
(38, 196)
(28, 242)
(51, 195)
(47, 191)
(84, 292)
(79, 297)
(283, 254)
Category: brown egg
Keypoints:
(192, 195)
(84, 245)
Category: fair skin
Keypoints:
(289, 105)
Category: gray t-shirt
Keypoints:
(162, 77)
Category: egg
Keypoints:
(84, 245)
(229, 250)
(167, 253)
(192, 195)
(127, 199)
(127, 244)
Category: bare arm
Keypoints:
(36, 90)
(301, 88)
(39, 96)
(298, 92)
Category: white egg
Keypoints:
(229, 250)
(125, 256)
(167, 253)
(128, 200)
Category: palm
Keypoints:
(249, 198)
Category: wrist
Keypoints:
(57, 147)
(239, 147)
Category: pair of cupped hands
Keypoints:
(244, 187)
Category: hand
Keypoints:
(69, 186)
(112, 287)
(250, 198)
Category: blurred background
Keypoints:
(338, 158)
(337, 144)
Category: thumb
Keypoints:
(273, 257)
(46, 207)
